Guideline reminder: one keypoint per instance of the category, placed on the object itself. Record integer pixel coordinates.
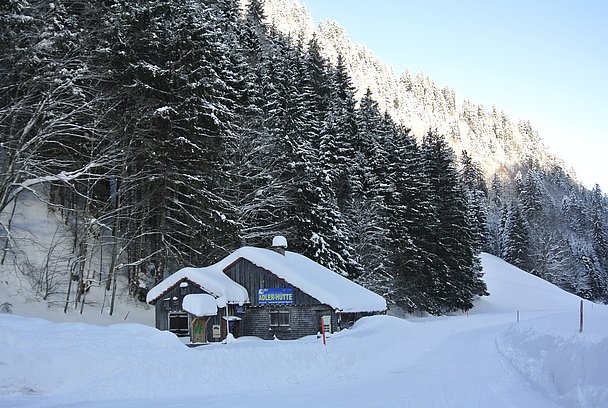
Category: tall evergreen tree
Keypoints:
(408, 219)
(456, 278)
(515, 239)
(367, 213)
(181, 88)
(477, 198)
(599, 222)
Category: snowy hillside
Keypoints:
(35, 278)
(489, 135)
(484, 359)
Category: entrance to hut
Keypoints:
(199, 330)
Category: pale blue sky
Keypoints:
(541, 60)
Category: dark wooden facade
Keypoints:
(171, 316)
(304, 313)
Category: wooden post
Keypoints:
(323, 330)
(518, 316)
(580, 330)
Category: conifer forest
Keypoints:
(174, 132)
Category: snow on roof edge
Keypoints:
(200, 304)
(211, 279)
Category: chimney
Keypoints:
(279, 243)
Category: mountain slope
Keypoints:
(488, 135)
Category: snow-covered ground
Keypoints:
(483, 359)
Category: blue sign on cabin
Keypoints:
(275, 296)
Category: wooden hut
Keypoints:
(286, 295)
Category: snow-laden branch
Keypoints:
(64, 176)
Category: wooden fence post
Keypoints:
(580, 330)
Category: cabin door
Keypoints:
(199, 330)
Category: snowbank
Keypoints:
(567, 366)
(39, 357)
(75, 362)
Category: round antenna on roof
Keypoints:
(279, 241)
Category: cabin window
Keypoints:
(279, 318)
(183, 288)
(179, 324)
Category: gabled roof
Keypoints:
(310, 277)
(211, 279)
(314, 279)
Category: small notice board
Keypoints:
(216, 331)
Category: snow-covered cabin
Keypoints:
(267, 293)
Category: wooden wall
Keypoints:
(304, 313)
(303, 321)
(162, 313)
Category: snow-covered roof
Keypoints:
(211, 279)
(200, 304)
(312, 278)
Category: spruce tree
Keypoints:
(477, 198)
(516, 239)
(599, 222)
(180, 85)
(367, 213)
(456, 278)
(407, 221)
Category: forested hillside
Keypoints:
(171, 133)
(563, 226)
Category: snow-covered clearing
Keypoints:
(485, 359)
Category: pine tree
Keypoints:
(515, 239)
(456, 278)
(181, 85)
(477, 199)
(338, 133)
(367, 213)
(407, 221)
(531, 197)
(599, 220)
(328, 167)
